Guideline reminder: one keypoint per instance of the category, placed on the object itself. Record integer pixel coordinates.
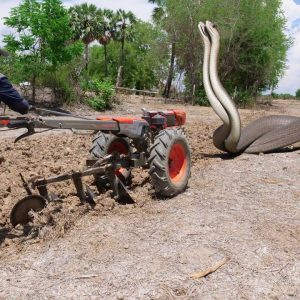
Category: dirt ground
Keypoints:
(246, 209)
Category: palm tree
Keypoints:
(160, 11)
(105, 32)
(84, 21)
(123, 22)
(160, 16)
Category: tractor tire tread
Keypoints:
(158, 161)
(99, 148)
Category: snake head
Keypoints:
(201, 27)
(203, 32)
(212, 30)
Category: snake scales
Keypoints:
(263, 135)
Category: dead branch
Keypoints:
(210, 270)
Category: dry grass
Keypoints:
(245, 208)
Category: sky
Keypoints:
(288, 84)
(291, 79)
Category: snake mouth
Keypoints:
(202, 29)
(212, 28)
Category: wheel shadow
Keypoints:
(160, 198)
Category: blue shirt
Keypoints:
(10, 96)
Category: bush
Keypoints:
(241, 98)
(104, 92)
(201, 98)
(64, 83)
(298, 94)
(282, 96)
(63, 90)
(97, 103)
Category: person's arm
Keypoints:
(10, 96)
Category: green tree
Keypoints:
(42, 39)
(298, 94)
(124, 22)
(162, 18)
(85, 20)
(146, 58)
(104, 32)
(150, 55)
(253, 42)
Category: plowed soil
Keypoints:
(244, 208)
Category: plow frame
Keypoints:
(154, 133)
(105, 166)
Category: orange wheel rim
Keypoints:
(119, 147)
(177, 163)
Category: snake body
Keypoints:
(263, 135)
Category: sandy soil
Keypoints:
(246, 209)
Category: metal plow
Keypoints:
(155, 141)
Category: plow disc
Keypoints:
(19, 213)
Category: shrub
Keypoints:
(282, 96)
(104, 92)
(63, 89)
(298, 94)
(201, 98)
(97, 103)
(63, 82)
(241, 98)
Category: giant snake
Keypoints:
(263, 135)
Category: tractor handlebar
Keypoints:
(14, 123)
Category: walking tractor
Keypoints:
(155, 141)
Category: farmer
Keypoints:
(9, 95)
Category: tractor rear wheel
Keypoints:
(170, 162)
(104, 144)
